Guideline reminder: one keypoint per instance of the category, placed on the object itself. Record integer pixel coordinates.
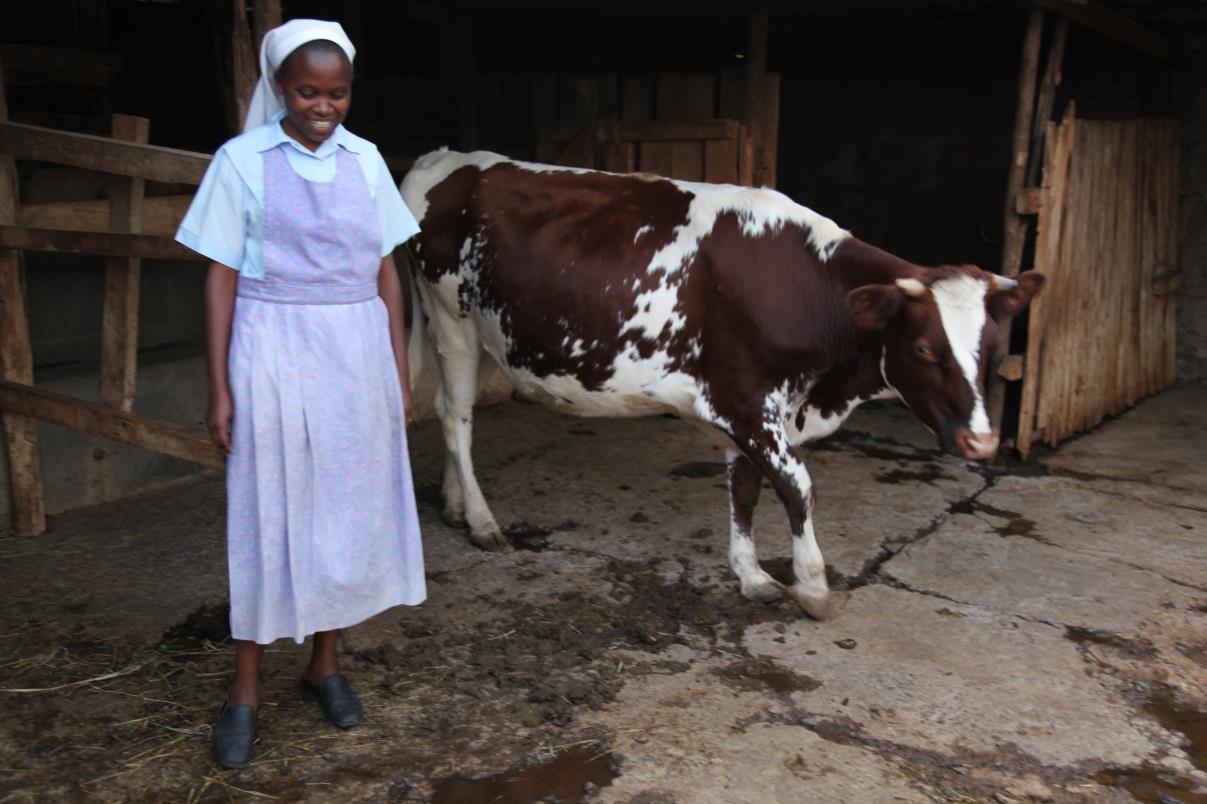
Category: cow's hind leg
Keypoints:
(458, 354)
(454, 499)
(745, 481)
(769, 452)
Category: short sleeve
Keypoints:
(214, 225)
(398, 225)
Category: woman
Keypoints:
(307, 374)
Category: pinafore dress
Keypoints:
(322, 531)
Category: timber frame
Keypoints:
(122, 241)
(1024, 195)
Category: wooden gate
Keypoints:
(1101, 334)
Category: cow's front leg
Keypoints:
(769, 451)
(745, 481)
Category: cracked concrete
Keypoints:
(1007, 632)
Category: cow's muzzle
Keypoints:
(975, 446)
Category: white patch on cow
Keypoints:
(433, 168)
(808, 566)
(575, 346)
(778, 407)
(961, 302)
(817, 424)
(912, 287)
(641, 231)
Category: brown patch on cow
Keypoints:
(563, 238)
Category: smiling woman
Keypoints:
(307, 372)
(315, 81)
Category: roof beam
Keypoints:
(1119, 27)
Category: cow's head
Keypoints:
(939, 335)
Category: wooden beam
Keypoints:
(752, 104)
(119, 315)
(161, 215)
(265, 15)
(42, 66)
(243, 61)
(1029, 201)
(1014, 230)
(150, 247)
(127, 428)
(1119, 27)
(16, 364)
(659, 131)
(1047, 98)
(151, 162)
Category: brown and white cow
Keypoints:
(615, 295)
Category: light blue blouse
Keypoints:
(223, 222)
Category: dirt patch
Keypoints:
(537, 665)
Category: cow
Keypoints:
(605, 294)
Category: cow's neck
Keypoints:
(855, 374)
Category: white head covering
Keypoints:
(277, 45)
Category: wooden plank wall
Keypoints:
(1101, 333)
(588, 120)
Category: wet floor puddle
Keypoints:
(566, 778)
(1016, 523)
(1157, 786)
(758, 675)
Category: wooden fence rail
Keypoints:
(112, 228)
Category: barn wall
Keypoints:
(1189, 99)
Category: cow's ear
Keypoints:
(873, 306)
(1011, 296)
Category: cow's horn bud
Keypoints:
(1004, 282)
(912, 287)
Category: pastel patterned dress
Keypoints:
(321, 525)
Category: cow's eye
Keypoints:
(923, 351)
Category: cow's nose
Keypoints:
(977, 446)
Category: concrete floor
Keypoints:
(1005, 633)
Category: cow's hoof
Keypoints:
(816, 604)
(492, 540)
(767, 592)
(454, 518)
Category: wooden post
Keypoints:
(752, 105)
(119, 319)
(1047, 97)
(16, 365)
(243, 62)
(265, 15)
(1013, 224)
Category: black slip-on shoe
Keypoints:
(234, 735)
(340, 704)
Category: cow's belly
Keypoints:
(637, 386)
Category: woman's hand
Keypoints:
(406, 403)
(221, 414)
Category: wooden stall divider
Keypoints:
(16, 362)
(119, 318)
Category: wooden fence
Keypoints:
(113, 228)
(1101, 334)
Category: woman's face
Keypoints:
(317, 88)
